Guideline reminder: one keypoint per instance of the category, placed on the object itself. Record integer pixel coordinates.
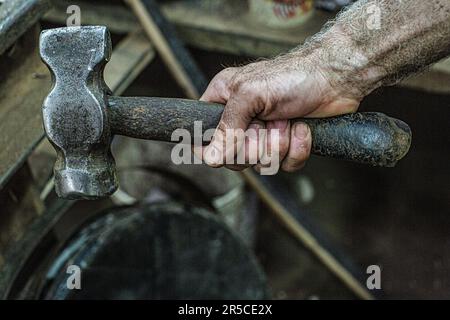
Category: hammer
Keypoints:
(81, 116)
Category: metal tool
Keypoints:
(80, 118)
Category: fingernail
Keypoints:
(301, 130)
(213, 155)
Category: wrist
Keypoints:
(349, 69)
(330, 92)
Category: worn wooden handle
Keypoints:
(370, 138)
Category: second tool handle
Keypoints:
(370, 138)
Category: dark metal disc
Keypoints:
(158, 251)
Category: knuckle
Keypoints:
(235, 85)
(223, 77)
(247, 88)
(219, 84)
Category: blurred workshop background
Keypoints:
(188, 231)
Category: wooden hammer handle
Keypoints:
(369, 138)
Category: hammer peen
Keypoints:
(80, 118)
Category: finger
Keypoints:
(229, 135)
(251, 151)
(218, 92)
(262, 145)
(299, 148)
(218, 89)
(277, 146)
(213, 153)
(278, 137)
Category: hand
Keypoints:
(265, 95)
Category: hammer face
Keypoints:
(75, 111)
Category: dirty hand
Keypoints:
(266, 95)
(327, 76)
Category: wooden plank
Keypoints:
(171, 50)
(128, 60)
(20, 205)
(289, 218)
(24, 83)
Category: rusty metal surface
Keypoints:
(16, 17)
(74, 112)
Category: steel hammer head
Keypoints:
(75, 111)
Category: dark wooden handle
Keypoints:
(370, 138)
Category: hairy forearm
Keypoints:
(379, 42)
